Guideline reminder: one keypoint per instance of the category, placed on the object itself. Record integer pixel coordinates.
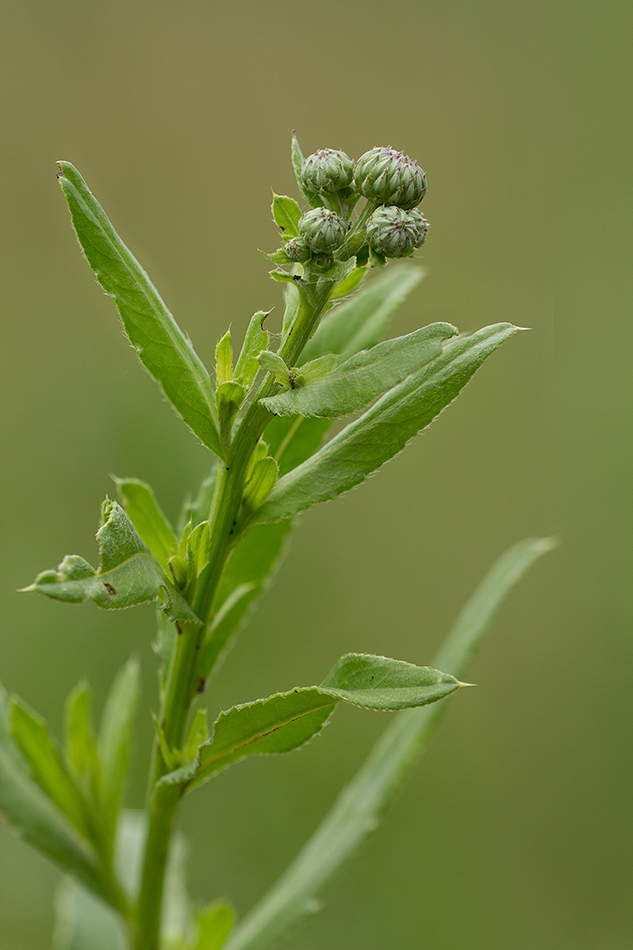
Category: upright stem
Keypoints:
(181, 686)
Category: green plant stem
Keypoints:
(148, 917)
(182, 687)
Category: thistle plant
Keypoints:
(263, 415)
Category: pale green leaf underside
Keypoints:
(84, 923)
(363, 377)
(128, 574)
(360, 804)
(285, 721)
(160, 343)
(383, 431)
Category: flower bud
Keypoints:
(297, 250)
(324, 231)
(327, 170)
(394, 232)
(390, 177)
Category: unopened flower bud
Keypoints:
(324, 231)
(390, 177)
(394, 232)
(297, 250)
(327, 170)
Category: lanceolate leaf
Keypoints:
(363, 377)
(34, 817)
(360, 322)
(160, 343)
(127, 575)
(115, 738)
(383, 431)
(359, 806)
(285, 721)
(146, 515)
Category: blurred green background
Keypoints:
(514, 831)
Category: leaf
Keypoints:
(293, 439)
(199, 509)
(366, 375)
(161, 345)
(351, 283)
(383, 431)
(223, 360)
(246, 575)
(127, 575)
(259, 485)
(80, 747)
(255, 340)
(31, 814)
(360, 322)
(146, 515)
(360, 804)
(198, 734)
(273, 363)
(214, 926)
(84, 923)
(115, 737)
(48, 768)
(285, 721)
(286, 213)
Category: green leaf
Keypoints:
(80, 746)
(359, 323)
(285, 721)
(146, 515)
(248, 572)
(366, 375)
(258, 486)
(230, 397)
(286, 213)
(293, 439)
(214, 925)
(198, 733)
(32, 815)
(360, 804)
(115, 737)
(383, 431)
(84, 923)
(48, 768)
(161, 345)
(273, 363)
(198, 510)
(127, 575)
(255, 340)
(315, 369)
(297, 165)
(350, 284)
(223, 360)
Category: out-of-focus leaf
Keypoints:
(247, 573)
(360, 322)
(80, 749)
(197, 510)
(84, 923)
(127, 575)
(365, 376)
(146, 515)
(214, 926)
(160, 343)
(285, 721)
(383, 431)
(115, 738)
(31, 814)
(360, 804)
(48, 768)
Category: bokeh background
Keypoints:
(514, 830)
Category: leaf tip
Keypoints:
(26, 590)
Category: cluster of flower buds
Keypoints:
(389, 226)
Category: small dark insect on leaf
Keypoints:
(110, 589)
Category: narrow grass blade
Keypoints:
(161, 345)
(359, 806)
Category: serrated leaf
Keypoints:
(223, 360)
(128, 574)
(32, 815)
(286, 214)
(360, 323)
(214, 925)
(285, 721)
(115, 737)
(360, 804)
(146, 515)
(362, 378)
(47, 767)
(383, 431)
(255, 340)
(249, 568)
(161, 345)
